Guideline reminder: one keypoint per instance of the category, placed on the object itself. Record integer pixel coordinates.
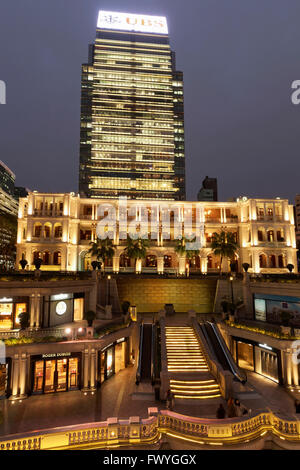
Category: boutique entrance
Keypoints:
(55, 375)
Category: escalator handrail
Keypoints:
(152, 353)
(237, 372)
(208, 341)
(139, 368)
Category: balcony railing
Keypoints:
(136, 432)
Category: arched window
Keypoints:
(280, 261)
(280, 235)
(57, 231)
(151, 261)
(272, 261)
(262, 261)
(125, 261)
(57, 258)
(270, 235)
(47, 230)
(260, 235)
(37, 230)
(46, 257)
(167, 261)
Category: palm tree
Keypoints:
(181, 248)
(136, 249)
(102, 249)
(224, 245)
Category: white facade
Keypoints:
(60, 227)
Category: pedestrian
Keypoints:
(239, 408)
(231, 410)
(221, 412)
(170, 400)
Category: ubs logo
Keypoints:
(144, 22)
(2, 92)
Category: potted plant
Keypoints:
(24, 320)
(23, 262)
(38, 263)
(90, 316)
(246, 266)
(290, 267)
(94, 265)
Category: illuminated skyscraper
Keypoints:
(132, 121)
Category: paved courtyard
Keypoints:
(119, 396)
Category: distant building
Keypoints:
(132, 112)
(9, 203)
(209, 190)
(297, 216)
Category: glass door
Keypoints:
(73, 373)
(50, 376)
(61, 375)
(38, 376)
(3, 380)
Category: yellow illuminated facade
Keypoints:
(132, 126)
(60, 227)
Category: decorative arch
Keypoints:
(57, 230)
(37, 230)
(47, 230)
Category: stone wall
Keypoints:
(150, 295)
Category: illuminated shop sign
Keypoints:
(131, 22)
(63, 354)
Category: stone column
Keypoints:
(93, 369)
(247, 296)
(15, 377)
(182, 265)
(160, 264)
(295, 374)
(287, 365)
(85, 370)
(116, 264)
(203, 264)
(37, 310)
(32, 310)
(22, 378)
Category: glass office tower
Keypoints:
(132, 121)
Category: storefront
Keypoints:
(55, 372)
(5, 378)
(10, 309)
(112, 359)
(258, 357)
(63, 308)
(273, 308)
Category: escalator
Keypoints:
(146, 353)
(220, 350)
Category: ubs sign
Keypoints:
(131, 22)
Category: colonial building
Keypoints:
(58, 228)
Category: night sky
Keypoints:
(239, 58)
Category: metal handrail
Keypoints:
(139, 368)
(236, 371)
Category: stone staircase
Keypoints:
(190, 378)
